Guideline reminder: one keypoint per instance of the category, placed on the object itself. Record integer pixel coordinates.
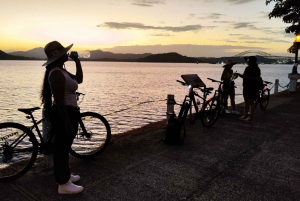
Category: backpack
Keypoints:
(175, 131)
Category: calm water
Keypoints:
(113, 86)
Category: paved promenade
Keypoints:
(233, 160)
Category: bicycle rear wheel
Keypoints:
(264, 99)
(210, 112)
(92, 137)
(18, 151)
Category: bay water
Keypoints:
(128, 94)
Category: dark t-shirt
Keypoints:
(251, 72)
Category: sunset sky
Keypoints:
(189, 27)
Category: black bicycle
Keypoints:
(207, 109)
(19, 146)
(263, 96)
(223, 96)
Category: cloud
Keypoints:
(248, 25)
(161, 35)
(130, 25)
(212, 16)
(207, 16)
(239, 1)
(147, 3)
(250, 39)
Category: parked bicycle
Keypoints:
(19, 146)
(263, 96)
(223, 93)
(223, 96)
(207, 109)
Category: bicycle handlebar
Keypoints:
(267, 82)
(215, 80)
(205, 90)
(181, 82)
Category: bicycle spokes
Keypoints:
(7, 152)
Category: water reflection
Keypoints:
(113, 86)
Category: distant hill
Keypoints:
(5, 56)
(171, 57)
(34, 53)
(102, 55)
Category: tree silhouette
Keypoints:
(289, 11)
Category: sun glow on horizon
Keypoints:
(92, 25)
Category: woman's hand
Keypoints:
(74, 55)
(237, 74)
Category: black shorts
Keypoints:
(250, 93)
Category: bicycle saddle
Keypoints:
(28, 110)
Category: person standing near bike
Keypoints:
(63, 112)
(251, 78)
(228, 86)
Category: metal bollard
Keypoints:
(170, 105)
(276, 87)
(293, 81)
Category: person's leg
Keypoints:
(252, 107)
(61, 150)
(62, 144)
(246, 109)
(232, 101)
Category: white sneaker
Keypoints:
(235, 112)
(243, 117)
(248, 119)
(227, 111)
(69, 188)
(74, 178)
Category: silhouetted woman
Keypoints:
(63, 111)
(250, 77)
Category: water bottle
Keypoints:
(198, 102)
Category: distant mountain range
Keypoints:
(171, 57)
(102, 55)
(5, 56)
(37, 53)
(99, 55)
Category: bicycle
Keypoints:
(223, 94)
(19, 146)
(208, 112)
(263, 96)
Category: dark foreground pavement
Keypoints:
(233, 160)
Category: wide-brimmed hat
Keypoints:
(252, 59)
(54, 50)
(229, 62)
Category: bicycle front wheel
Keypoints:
(18, 151)
(92, 137)
(210, 112)
(264, 99)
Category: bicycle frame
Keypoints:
(41, 140)
(190, 101)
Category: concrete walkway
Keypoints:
(233, 160)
